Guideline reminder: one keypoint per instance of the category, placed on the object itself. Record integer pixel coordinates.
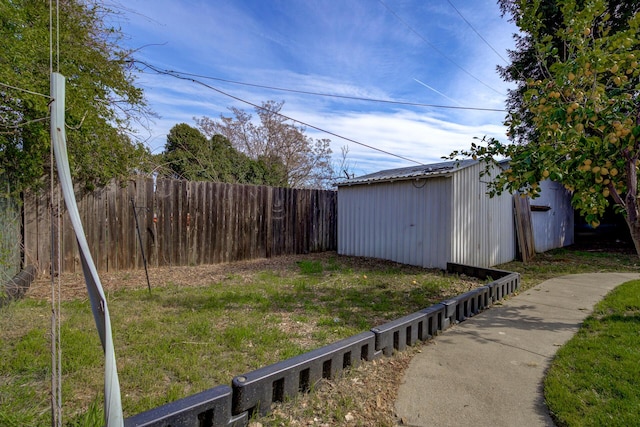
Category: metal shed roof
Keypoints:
(413, 172)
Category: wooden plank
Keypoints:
(304, 221)
(277, 236)
(291, 219)
(192, 206)
(332, 220)
(173, 217)
(324, 218)
(54, 226)
(132, 254)
(213, 219)
(200, 224)
(84, 201)
(298, 225)
(261, 234)
(286, 216)
(137, 225)
(256, 222)
(90, 223)
(30, 229)
(244, 237)
(241, 235)
(268, 221)
(233, 225)
(112, 225)
(253, 221)
(247, 220)
(150, 249)
(215, 238)
(143, 204)
(275, 222)
(205, 249)
(184, 219)
(279, 228)
(313, 220)
(235, 220)
(204, 218)
(101, 222)
(164, 202)
(221, 244)
(524, 227)
(44, 234)
(226, 221)
(325, 226)
(158, 211)
(178, 232)
(118, 231)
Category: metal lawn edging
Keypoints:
(253, 393)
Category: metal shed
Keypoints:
(426, 215)
(552, 217)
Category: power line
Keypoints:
(191, 79)
(476, 31)
(24, 90)
(19, 125)
(328, 95)
(434, 47)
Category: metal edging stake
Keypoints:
(144, 259)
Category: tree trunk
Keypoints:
(634, 228)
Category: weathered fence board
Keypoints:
(182, 223)
(10, 241)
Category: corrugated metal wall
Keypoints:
(403, 221)
(553, 228)
(428, 222)
(483, 232)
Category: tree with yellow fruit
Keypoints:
(578, 120)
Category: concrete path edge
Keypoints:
(489, 369)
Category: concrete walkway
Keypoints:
(489, 369)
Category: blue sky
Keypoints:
(400, 50)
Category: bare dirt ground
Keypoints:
(202, 275)
(368, 392)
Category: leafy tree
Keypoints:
(527, 64)
(190, 155)
(101, 97)
(583, 108)
(307, 162)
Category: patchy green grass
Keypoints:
(180, 340)
(560, 262)
(594, 378)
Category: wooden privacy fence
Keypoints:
(183, 223)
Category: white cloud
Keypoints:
(355, 48)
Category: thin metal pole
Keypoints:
(144, 259)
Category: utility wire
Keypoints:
(328, 95)
(19, 125)
(476, 31)
(483, 39)
(24, 90)
(434, 47)
(191, 79)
